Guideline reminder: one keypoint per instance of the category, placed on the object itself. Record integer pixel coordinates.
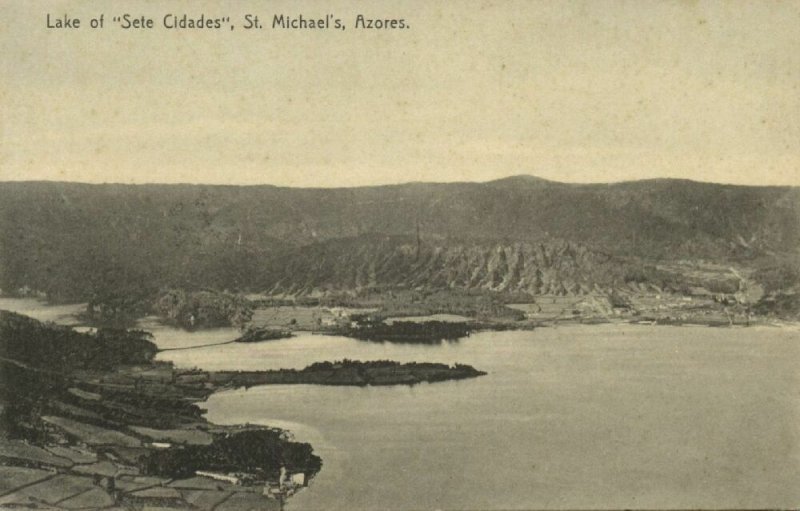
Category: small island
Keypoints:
(405, 331)
(345, 372)
(263, 334)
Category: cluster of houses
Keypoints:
(338, 317)
(288, 483)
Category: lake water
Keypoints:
(569, 417)
(606, 416)
(61, 314)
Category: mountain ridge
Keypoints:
(522, 177)
(74, 240)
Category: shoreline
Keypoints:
(163, 380)
(125, 434)
(132, 434)
(692, 312)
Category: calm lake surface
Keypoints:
(569, 417)
(607, 416)
(61, 314)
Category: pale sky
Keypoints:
(571, 91)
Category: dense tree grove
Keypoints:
(260, 451)
(62, 348)
(203, 308)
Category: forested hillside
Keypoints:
(82, 242)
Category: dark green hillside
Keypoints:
(100, 242)
(61, 348)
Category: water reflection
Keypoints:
(430, 342)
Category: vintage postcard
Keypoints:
(399, 255)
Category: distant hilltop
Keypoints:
(510, 179)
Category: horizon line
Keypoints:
(530, 177)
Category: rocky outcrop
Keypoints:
(552, 267)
